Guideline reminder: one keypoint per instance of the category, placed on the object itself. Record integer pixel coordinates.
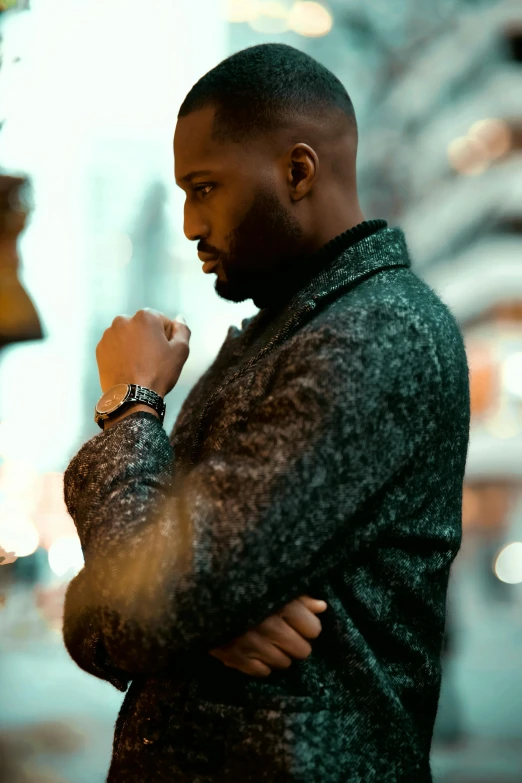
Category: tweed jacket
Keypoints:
(323, 452)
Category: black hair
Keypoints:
(262, 88)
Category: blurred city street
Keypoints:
(56, 720)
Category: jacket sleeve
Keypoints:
(185, 565)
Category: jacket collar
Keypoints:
(266, 330)
(383, 250)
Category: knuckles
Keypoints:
(119, 320)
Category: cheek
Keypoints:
(241, 211)
(223, 221)
(231, 218)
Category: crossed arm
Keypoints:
(187, 564)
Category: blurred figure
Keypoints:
(18, 318)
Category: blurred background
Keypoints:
(91, 227)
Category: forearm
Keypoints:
(115, 489)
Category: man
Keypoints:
(322, 453)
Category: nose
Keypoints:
(194, 227)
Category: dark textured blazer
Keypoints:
(323, 452)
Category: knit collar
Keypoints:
(299, 272)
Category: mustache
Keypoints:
(207, 249)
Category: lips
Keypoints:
(207, 257)
(210, 266)
(210, 261)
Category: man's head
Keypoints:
(265, 148)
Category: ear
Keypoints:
(303, 169)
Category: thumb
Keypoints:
(179, 329)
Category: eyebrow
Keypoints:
(200, 173)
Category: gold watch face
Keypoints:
(112, 398)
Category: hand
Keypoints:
(265, 645)
(148, 349)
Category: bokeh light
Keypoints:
(19, 483)
(494, 134)
(272, 17)
(238, 11)
(503, 424)
(310, 19)
(66, 556)
(512, 374)
(17, 532)
(485, 141)
(483, 376)
(468, 155)
(508, 563)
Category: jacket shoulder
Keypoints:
(394, 298)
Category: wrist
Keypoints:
(108, 423)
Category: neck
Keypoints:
(332, 225)
(296, 273)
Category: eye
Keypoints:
(202, 189)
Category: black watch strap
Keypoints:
(147, 397)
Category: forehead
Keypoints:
(194, 148)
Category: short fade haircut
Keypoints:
(265, 87)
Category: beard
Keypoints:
(267, 238)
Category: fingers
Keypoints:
(313, 604)
(173, 327)
(301, 619)
(256, 668)
(280, 633)
(255, 645)
(237, 657)
(277, 641)
(250, 666)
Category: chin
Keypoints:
(225, 291)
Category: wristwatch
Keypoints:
(121, 396)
